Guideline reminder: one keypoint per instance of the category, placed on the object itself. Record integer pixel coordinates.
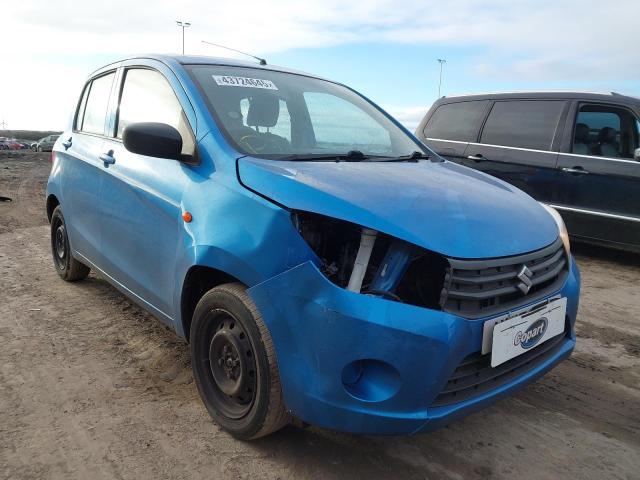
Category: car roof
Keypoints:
(557, 94)
(207, 60)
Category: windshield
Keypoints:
(282, 115)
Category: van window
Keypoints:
(523, 123)
(456, 121)
(148, 97)
(95, 112)
(605, 131)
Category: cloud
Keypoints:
(48, 43)
(410, 117)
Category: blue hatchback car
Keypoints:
(323, 263)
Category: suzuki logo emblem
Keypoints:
(524, 275)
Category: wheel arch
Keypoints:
(52, 203)
(198, 281)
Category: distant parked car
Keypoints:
(577, 152)
(46, 144)
(13, 144)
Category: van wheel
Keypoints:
(67, 267)
(234, 364)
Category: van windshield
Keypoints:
(288, 116)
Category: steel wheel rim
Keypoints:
(229, 363)
(59, 245)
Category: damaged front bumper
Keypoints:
(364, 364)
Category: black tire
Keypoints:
(67, 267)
(234, 364)
(39, 148)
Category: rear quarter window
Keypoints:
(456, 121)
(95, 112)
(523, 123)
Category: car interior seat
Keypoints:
(581, 139)
(264, 110)
(607, 145)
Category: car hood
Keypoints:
(441, 206)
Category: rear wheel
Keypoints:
(67, 267)
(234, 364)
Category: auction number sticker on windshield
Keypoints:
(231, 81)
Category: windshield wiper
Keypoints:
(412, 157)
(350, 156)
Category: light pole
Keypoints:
(441, 61)
(183, 25)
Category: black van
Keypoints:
(578, 152)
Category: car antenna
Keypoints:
(261, 60)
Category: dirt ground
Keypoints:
(93, 387)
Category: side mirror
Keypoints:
(636, 154)
(153, 140)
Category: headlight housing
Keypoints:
(562, 229)
(394, 269)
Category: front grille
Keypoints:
(476, 288)
(475, 375)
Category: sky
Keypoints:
(387, 50)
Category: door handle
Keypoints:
(477, 157)
(578, 170)
(67, 144)
(108, 158)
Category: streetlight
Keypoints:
(183, 25)
(441, 61)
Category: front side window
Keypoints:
(95, 112)
(148, 97)
(605, 131)
(456, 121)
(288, 116)
(523, 123)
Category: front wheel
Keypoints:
(234, 364)
(67, 267)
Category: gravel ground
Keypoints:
(91, 386)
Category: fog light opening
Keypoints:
(371, 380)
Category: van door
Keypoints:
(598, 189)
(82, 177)
(452, 126)
(519, 143)
(141, 196)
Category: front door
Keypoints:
(141, 196)
(598, 190)
(519, 144)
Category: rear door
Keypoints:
(452, 126)
(81, 179)
(598, 189)
(519, 143)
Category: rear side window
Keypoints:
(81, 107)
(456, 121)
(523, 123)
(95, 112)
(148, 97)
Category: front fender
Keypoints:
(238, 233)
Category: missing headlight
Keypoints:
(395, 270)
